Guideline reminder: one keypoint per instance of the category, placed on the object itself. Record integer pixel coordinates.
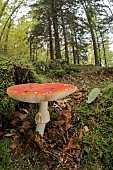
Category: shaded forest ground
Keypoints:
(79, 135)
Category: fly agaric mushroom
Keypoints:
(40, 93)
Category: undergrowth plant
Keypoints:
(98, 142)
(5, 158)
(14, 70)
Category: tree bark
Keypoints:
(9, 19)
(7, 36)
(65, 37)
(56, 34)
(83, 2)
(50, 38)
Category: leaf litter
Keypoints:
(60, 143)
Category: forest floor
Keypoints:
(79, 135)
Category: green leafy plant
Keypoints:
(58, 73)
(93, 95)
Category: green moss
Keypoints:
(98, 143)
(14, 70)
(5, 158)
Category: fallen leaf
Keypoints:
(80, 90)
(80, 135)
(8, 134)
(13, 131)
(59, 122)
(78, 97)
(25, 111)
(64, 119)
(71, 145)
(13, 146)
(68, 107)
(37, 138)
(93, 95)
(71, 142)
(22, 116)
(63, 102)
(1, 133)
(15, 121)
(67, 125)
(25, 125)
(16, 139)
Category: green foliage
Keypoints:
(58, 73)
(59, 64)
(5, 158)
(98, 143)
(55, 68)
(24, 162)
(13, 70)
(93, 95)
(41, 66)
(6, 80)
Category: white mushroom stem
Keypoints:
(42, 117)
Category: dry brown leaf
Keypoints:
(16, 139)
(25, 125)
(22, 116)
(25, 111)
(71, 145)
(16, 149)
(59, 122)
(13, 146)
(63, 102)
(68, 107)
(67, 115)
(78, 97)
(13, 131)
(37, 138)
(1, 133)
(71, 142)
(64, 119)
(15, 121)
(80, 135)
(8, 134)
(67, 126)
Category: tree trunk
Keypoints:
(83, 2)
(94, 40)
(99, 54)
(77, 51)
(7, 36)
(3, 29)
(65, 37)
(30, 49)
(94, 47)
(56, 34)
(73, 50)
(50, 38)
(104, 50)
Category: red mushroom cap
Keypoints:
(36, 93)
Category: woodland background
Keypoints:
(67, 41)
(78, 31)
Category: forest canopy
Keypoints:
(78, 31)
